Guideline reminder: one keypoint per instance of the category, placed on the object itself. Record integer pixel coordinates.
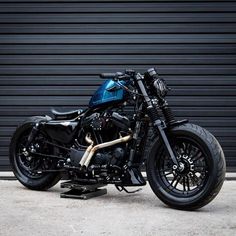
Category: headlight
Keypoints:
(161, 87)
(158, 84)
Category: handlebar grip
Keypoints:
(115, 76)
(108, 75)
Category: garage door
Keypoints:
(52, 51)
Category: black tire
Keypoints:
(39, 182)
(213, 173)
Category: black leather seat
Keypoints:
(68, 115)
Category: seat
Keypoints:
(68, 115)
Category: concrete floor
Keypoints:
(26, 212)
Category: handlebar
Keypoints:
(115, 76)
(128, 74)
(108, 75)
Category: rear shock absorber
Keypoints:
(32, 134)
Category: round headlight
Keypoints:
(161, 87)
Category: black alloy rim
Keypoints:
(31, 165)
(191, 178)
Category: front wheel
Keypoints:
(201, 173)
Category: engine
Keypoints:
(114, 157)
(98, 122)
(104, 128)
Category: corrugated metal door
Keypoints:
(51, 52)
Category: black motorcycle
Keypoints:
(127, 127)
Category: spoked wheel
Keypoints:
(192, 175)
(200, 174)
(29, 168)
(33, 166)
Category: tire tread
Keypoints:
(52, 178)
(220, 163)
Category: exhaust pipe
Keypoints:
(91, 150)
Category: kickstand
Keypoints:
(122, 188)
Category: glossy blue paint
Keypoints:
(103, 97)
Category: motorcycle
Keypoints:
(128, 126)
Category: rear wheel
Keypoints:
(201, 173)
(29, 168)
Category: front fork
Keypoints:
(159, 127)
(156, 121)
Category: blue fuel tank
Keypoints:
(108, 93)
